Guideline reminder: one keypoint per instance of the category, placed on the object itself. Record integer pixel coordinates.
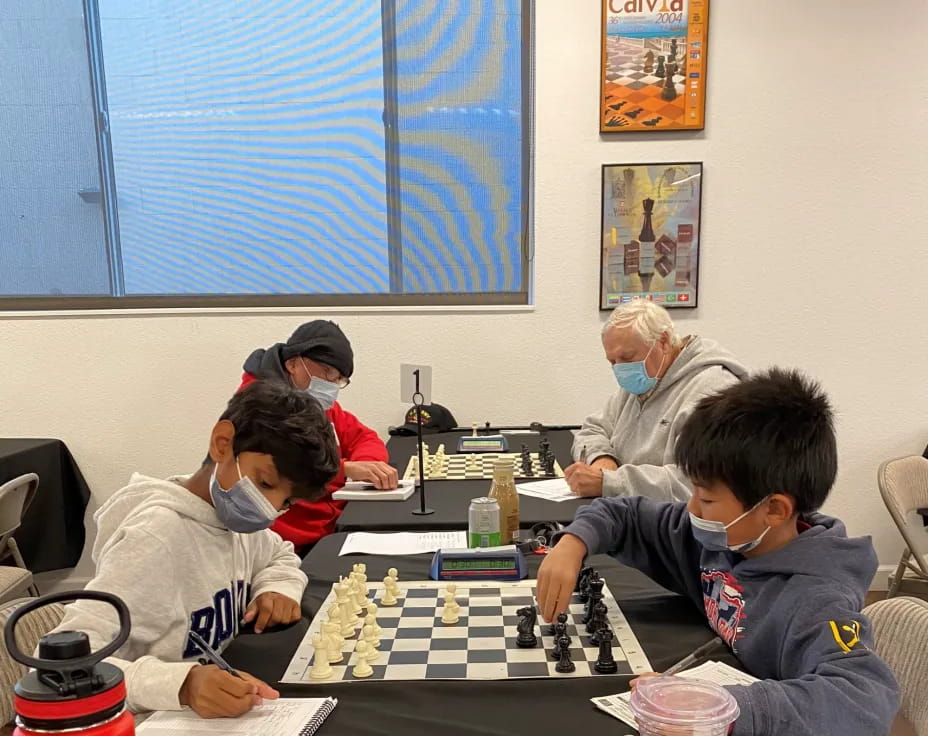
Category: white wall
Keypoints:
(814, 256)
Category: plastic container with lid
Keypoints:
(676, 706)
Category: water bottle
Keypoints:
(70, 689)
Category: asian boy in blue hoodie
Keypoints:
(782, 584)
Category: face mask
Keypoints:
(633, 377)
(713, 535)
(243, 508)
(325, 392)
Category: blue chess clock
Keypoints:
(479, 563)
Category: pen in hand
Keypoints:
(212, 655)
(691, 659)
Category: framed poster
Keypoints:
(653, 67)
(649, 248)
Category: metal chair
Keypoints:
(903, 485)
(900, 632)
(15, 497)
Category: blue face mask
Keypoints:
(243, 508)
(325, 392)
(633, 377)
(713, 535)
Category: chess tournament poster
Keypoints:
(653, 69)
(650, 234)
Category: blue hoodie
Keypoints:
(792, 616)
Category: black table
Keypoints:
(451, 498)
(52, 533)
(668, 627)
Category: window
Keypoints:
(265, 152)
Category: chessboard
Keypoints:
(414, 644)
(634, 95)
(476, 466)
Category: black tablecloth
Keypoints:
(451, 498)
(668, 627)
(52, 534)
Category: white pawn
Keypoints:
(362, 667)
(450, 613)
(388, 598)
(321, 670)
(370, 636)
(372, 654)
(331, 630)
(371, 619)
(362, 567)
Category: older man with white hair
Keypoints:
(627, 448)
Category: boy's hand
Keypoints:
(271, 609)
(585, 480)
(382, 475)
(557, 576)
(214, 693)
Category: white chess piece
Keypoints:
(354, 592)
(362, 567)
(473, 429)
(388, 598)
(371, 618)
(366, 635)
(362, 667)
(362, 585)
(333, 640)
(321, 670)
(346, 617)
(450, 613)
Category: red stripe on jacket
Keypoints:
(308, 521)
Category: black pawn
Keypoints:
(597, 636)
(660, 71)
(564, 664)
(605, 663)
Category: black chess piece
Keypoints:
(673, 49)
(597, 617)
(634, 113)
(583, 584)
(653, 121)
(526, 461)
(596, 636)
(648, 62)
(669, 91)
(526, 627)
(619, 105)
(564, 663)
(605, 664)
(661, 69)
(560, 632)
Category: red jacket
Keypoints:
(308, 521)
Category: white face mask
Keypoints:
(242, 508)
(713, 535)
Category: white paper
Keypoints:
(720, 673)
(555, 490)
(284, 717)
(401, 543)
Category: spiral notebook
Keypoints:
(284, 717)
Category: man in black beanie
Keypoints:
(318, 359)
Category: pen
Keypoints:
(694, 657)
(583, 455)
(212, 655)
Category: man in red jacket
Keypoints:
(318, 359)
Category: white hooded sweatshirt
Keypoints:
(164, 551)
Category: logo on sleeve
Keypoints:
(846, 634)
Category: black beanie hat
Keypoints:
(323, 341)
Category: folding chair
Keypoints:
(15, 497)
(900, 632)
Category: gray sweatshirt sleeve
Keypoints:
(660, 482)
(650, 536)
(137, 568)
(596, 433)
(837, 686)
(278, 569)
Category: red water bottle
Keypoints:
(70, 689)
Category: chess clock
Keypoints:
(479, 563)
(483, 443)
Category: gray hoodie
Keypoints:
(164, 551)
(792, 616)
(640, 432)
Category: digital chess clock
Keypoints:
(479, 563)
(483, 443)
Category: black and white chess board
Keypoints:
(416, 645)
(477, 466)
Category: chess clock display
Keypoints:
(480, 563)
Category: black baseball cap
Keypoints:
(435, 418)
